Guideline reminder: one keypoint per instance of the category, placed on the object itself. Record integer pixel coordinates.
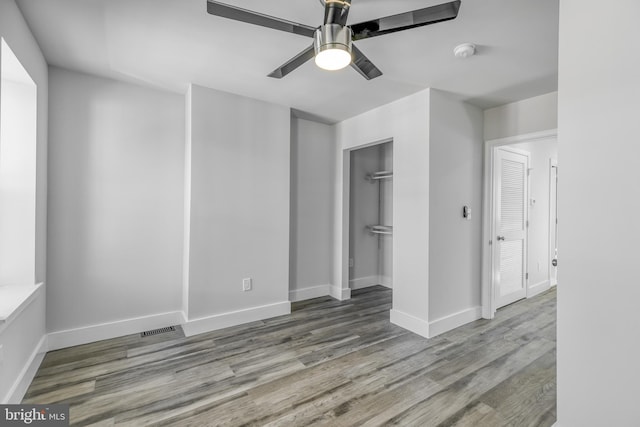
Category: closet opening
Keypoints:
(371, 216)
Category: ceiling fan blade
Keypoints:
(362, 65)
(250, 17)
(405, 21)
(336, 12)
(293, 63)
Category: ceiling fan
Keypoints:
(333, 48)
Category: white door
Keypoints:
(510, 225)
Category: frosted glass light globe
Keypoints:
(333, 59)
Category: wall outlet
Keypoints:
(350, 262)
(246, 284)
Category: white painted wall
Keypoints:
(17, 181)
(407, 122)
(116, 169)
(21, 341)
(312, 185)
(239, 203)
(518, 118)
(598, 292)
(455, 176)
(539, 220)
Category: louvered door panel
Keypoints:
(511, 204)
(510, 248)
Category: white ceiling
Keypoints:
(169, 43)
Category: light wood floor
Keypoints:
(328, 363)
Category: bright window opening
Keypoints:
(18, 99)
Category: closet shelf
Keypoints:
(380, 229)
(380, 175)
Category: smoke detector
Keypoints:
(464, 50)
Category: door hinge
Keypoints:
(527, 223)
(526, 276)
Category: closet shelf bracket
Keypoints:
(380, 229)
(376, 176)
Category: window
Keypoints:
(18, 114)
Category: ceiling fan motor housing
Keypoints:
(332, 36)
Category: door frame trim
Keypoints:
(487, 291)
(343, 285)
(553, 163)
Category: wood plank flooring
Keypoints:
(329, 363)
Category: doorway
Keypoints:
(519, 220)
(371, 216)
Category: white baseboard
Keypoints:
(104, 331)
(225, 320)
(452, 321)
(20, 386)
(309, 293)
(409, 322)
(538, 288)
(386, 281)
(364, 282)
(339, 293)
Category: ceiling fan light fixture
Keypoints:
(332, 44)
(333, 59)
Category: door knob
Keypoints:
(500, 238)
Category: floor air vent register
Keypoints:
(158, 331)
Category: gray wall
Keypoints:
(455, 176)
(239, 203)
(598, 128)
(312, 186)
(518, 118)
(115, 209)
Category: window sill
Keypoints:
(14, 299)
